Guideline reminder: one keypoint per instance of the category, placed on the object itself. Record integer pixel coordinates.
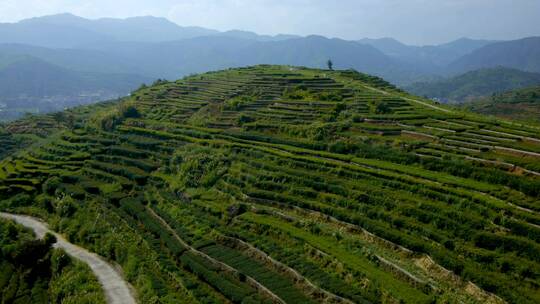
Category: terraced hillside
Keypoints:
(274, 184)
(523, 104)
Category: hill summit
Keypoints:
(280, 184)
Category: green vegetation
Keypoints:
(475, 84)
(282, 184)
(110, 118)
(32, 272)
(521, 104)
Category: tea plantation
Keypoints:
(276, 184)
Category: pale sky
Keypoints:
(411, 21)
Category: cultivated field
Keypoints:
(274, 184)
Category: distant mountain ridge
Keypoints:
(29, 84)
(523, 54)
(174, 59)
(158, 48)
(431, 57)
(70, 31)
(403, 65)
(475, 84)
(34, 77)
(141, 29)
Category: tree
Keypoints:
(330, 65)
(383, 108)
(49, 239)
(142, 87)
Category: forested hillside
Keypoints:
(523, 104)
(475, 84)
(278, 184)
(522, 54)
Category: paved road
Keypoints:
(116, 289)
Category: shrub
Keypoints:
(316, 131)
(50, 185)
(21, 200)
(342, 147)
(383, 108)
(200, 166)
(297, 93)
(330, 96)
(49, 239)
(45, 202)
(66, 206)
(128, 110)
(237, 102)
(108, 119)
(243, 118)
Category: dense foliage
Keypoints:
(523, 104)
(282, 184)
(31, 271)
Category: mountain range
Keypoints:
(184, 50)
(523, 54)
(141, 48)
(33, 77)
(29, 84)
(476, 83)
(70, 31)
(433, 58)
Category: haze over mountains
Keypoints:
(32, 84)
(143, 48)
(213, 166)
(433, 58)
(474, 84)
(521, 54)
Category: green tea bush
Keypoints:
(199, 166)
(236, 103)
(299, 92)
(108, 119)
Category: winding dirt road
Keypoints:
(412, 100)
(116, 289)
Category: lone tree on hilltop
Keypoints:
(330, 65)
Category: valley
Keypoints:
(57, 61)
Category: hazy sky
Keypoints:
(411, 21)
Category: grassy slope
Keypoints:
(333, 180)
(523, 104)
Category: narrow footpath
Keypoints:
(116, 289)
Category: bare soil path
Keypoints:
(412, 100)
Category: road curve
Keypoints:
(116, 289)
